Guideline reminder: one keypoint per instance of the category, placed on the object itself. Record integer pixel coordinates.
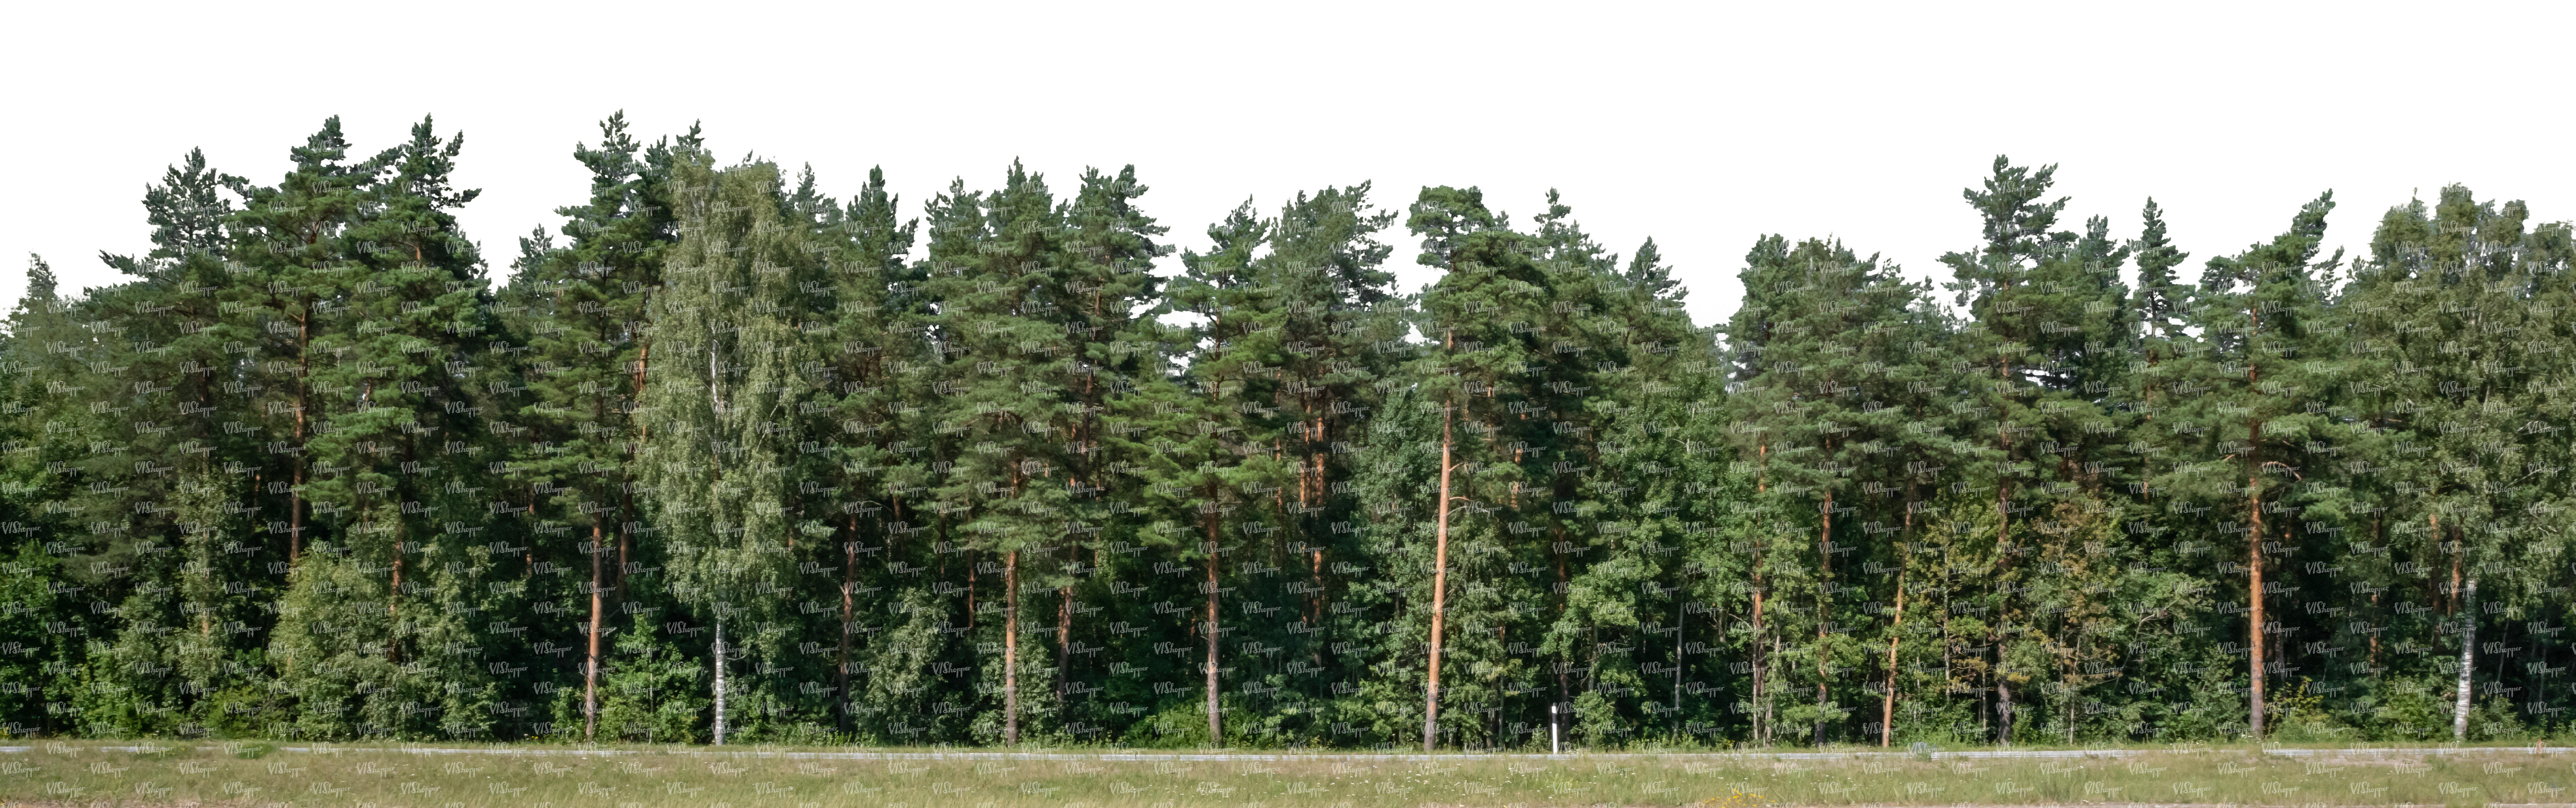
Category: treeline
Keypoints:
(730, 459)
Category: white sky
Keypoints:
(1704, 125)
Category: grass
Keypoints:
(262, 775)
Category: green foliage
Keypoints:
(995, 476)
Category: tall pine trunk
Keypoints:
(590, 665)
(1759, 708)
(1063, 640)
(1011, 648)
(2254, 560)
(295, 489)
(1824, 607)
(2003, 548)
(1887, 703)
(1439, 588)
(849, 581)
(393, 592)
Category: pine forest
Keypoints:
(719, 458)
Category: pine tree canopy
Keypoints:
(728, 459)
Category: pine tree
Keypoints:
(187, 211)
(1026, 290)
(1104, 280)
(400, 305)
(46, 370)
(2160, 298)
(1641, 356)
(289, 240)
(291, 265)
(296, 474)
(875, 361)
(166, 356)
(2045, 351)
(581, 310)
(1819, 407)
(2242, 403)
(1489, 321)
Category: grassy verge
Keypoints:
(259, 775)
